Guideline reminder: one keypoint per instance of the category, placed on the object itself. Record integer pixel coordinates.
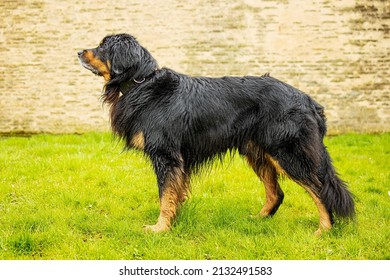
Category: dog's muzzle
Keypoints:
(85, 64)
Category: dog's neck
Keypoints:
(127, 85)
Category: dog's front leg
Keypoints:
(173, 184)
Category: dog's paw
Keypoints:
(321, 231)
(260, 215)
(157, 228)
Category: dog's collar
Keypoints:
(131, 83)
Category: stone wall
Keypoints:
(337, 51)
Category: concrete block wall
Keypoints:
(337, 51)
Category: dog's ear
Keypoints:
(128, 57)
(120, 60)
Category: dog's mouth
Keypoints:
(94, 64)
(86, 65)
(90, 68)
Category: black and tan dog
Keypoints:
(181, 122)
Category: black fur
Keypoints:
(188, 121)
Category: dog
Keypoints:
(182, 123)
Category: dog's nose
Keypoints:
(80, 53)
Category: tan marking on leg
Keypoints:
(325, 220)
(175, 192)
(168, 207)
(138, 141)
(267, 173)
(272, 190)
(276, 165)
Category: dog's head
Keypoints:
(118, 58)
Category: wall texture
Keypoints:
(337, 51)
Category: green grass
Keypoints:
(81, 197)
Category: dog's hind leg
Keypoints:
(302, 167)
(326, 220)
(173, 184)
(268, 174)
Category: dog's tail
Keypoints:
(334, 192)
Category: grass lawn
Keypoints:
(81, 197)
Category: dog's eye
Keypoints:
(101, 53)
(100, 50)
